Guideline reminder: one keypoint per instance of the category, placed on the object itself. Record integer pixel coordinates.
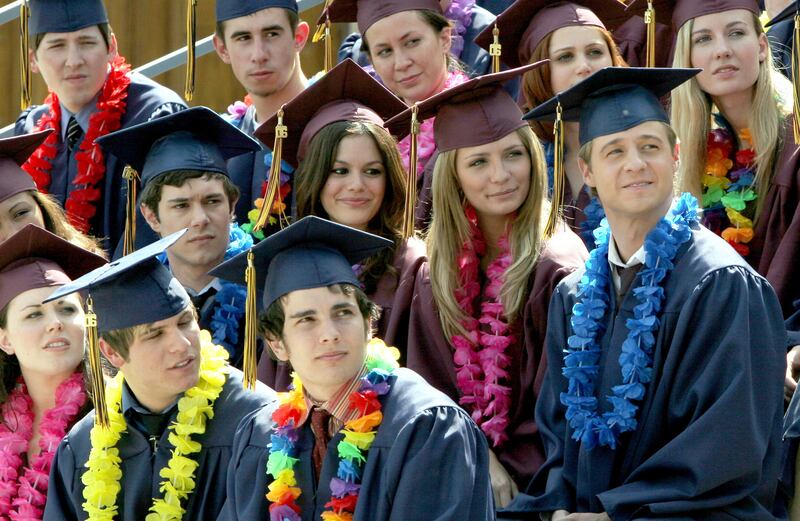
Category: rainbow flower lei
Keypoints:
(728, 192)
(195, 408)
(358, 437)
(582, 356)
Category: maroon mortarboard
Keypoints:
(681, 11)
(474, 113)
(523, 26)
(367, 12)
(346, 93)
(631, 40)
(35, 258)
(14, 151)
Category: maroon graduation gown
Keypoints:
(431, 355)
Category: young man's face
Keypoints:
(262, 50)
(163, 360)
(324, 338)
(74, 65)
(201, 205)
(633, 172)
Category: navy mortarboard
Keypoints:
(14, 151)
(526, 23)
(133, 290)
(613, 99)
(346, 93)
(311, 253)
(229, 9)
(193, 139)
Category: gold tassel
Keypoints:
(249, 362)
(411, 188)
(796, 78)
(495, 49)
(273, 191)
(650, 22)
(98, 384)
(129, 238)
(558, 174)
(191, 38)
(323, 32)
(24, 63)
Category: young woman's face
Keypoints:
(495, 177)
(576, 52)
(356, 184)
(46, 338)
(409, 55)
(729, 50)
(18, 211)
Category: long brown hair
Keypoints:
(55, 221)
(536, 83)
(313, 172)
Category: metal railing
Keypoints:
(158, 66)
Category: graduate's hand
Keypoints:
(558, 515)
(586, 517)
(792, 371)
(503, 486)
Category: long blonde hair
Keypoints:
(449, 230)
(691, 115)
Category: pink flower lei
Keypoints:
(480, 357)
(426, 145)
(23, 489)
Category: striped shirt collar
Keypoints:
(338, 405)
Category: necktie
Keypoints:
(74, 134)
(319, 426)
(199, 301)
(626, 278)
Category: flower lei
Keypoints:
(480, 357)
(237, 112)
(80, 204)
(426, 145)
(359, 435)
(582, 356)
(23, 489)
(460, 12)
(195, 408)
(728, 192)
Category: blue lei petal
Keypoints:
(582, 355)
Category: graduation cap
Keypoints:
(14, 151)
(346, 93)
(680, 12)
(614, 99)
(474, 113)
(229, 9)
(522, 27)
(311, 253)
(792, 12)
(366, 12)
(133, 290)
(35, 258)
(192, 139)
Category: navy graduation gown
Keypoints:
(708, 441)
(146, 100)
(140, 467)
(429, 461)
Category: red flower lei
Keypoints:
(23, 490)
(480, 357)
(80, 204)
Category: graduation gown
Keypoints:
(146, 100)
(707, 444)
(431, 354)
(428, 461)
(393, 295)
(140, 467)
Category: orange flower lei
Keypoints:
(80, 205)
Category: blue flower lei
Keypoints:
(230, 300)
(582, 356)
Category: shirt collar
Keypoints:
(82, 116)
(615, 259)
(215, 284)
(338, 404)
(130, 402)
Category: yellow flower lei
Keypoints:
(102, 479)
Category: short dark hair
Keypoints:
(294, 21)
(271, 321)
(105, 32)
(151, 194)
